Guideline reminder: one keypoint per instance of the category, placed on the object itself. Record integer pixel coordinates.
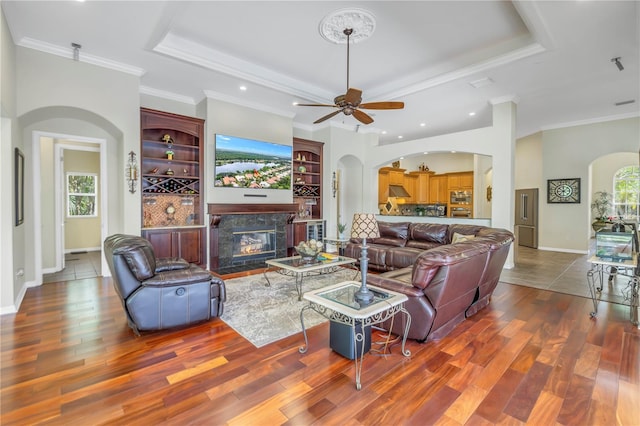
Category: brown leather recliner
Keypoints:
(160, 293)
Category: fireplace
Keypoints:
(243, 236)
(253, 243)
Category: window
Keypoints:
(82, 197)
(626, 194)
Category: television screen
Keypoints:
(247, 163)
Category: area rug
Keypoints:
(264, 314)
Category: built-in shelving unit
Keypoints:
(171, 173)
(307, 178)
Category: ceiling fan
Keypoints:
(349, 103)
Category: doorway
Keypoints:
(53, 256)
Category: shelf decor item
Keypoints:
(364, 226)
(169, 153)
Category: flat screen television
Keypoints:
(252, 164)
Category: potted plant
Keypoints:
(341, 228)
(601, 207)
(169, 153)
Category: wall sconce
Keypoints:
(131, 172)
(334, 184)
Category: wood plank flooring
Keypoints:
(533, 357)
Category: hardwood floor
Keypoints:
(532, 357)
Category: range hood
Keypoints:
(398, 191)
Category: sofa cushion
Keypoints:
(401, 257)
(462, 229)
(392, 234)
(420, 233)
(458, 238)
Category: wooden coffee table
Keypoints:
(295, 267)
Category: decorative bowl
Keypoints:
(309, 250)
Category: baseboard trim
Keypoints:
(12, 309)
(67, 251)
(563, 250)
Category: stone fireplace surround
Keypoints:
(224, 217)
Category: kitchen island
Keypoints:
(433, 219)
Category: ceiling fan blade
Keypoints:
(382, 105)
(353, 96)
(362, 117)
(320, 105)
(326, 117)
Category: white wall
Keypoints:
(568, 153)
(11, 237)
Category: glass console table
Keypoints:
(296, 267)
(337, 303)
(628, 268)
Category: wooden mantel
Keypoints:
(222, 209)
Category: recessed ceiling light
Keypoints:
(402, 158)
(471, 114)
(423, 124)
(243, 88)
(384, 132)
(453, 152)
(295, 103)
(399, 136)
(425, 153)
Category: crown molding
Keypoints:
(146, 90)
(503, 99)
(480, 67)
(591, 121)
(67, 52)
(210, 94)
(198, 54)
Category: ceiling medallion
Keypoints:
(333, 25)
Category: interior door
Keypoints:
(526, 220)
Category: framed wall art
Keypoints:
(19, 186)
(563, 191)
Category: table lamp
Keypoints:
(364, 226)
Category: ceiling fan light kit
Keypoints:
(354, 25)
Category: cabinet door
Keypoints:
(443, 192)
(383, 187)
(189, 243)
(396, 178)
(454, 182)
(422, 189)
(162, 242)
(466, 181)
(410, 184)
(299, 232)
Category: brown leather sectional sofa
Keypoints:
(445, 282)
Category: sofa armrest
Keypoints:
(177, 277)
(394, 285)
(170, 264)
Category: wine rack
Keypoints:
(153, 184)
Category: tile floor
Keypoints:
(77, 266)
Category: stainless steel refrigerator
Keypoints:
(526, 221)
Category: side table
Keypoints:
(340, 243)
(628, 268)
(337, 303)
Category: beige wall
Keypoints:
(82, 233)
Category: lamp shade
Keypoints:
(364, 225)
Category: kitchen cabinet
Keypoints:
(171, 171)
(389, 176)
(438, 189)
(421, 190)
(307, 177)
(462, 180)
(410, 184)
